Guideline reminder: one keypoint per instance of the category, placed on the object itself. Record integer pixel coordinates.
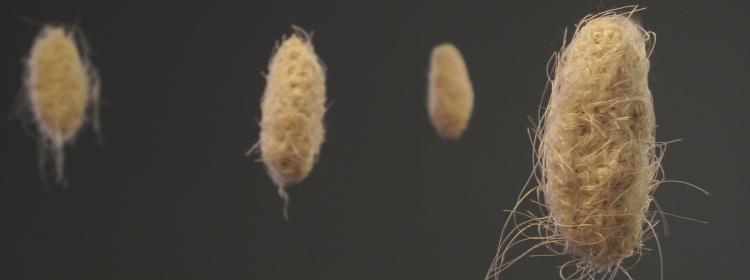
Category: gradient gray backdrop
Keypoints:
(170, 195)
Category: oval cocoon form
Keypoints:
(597, 157)
(61, 87)
(450, 98)
(598, 145)
(293, 106)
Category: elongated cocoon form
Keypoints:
(597, 151)
(293, 106)
(450, 99)
(61, 85)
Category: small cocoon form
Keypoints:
(293, 106)
(597, 154)
(60, 87)
(450, 97)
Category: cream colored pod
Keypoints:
(596, 153)
(450, 98)
(60, 87)
(293, 106)
(598, 149)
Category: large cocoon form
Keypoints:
(60, 87)
(597, 152)
(293, 106)
(598, 142)
(450, 99)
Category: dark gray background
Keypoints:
(170, 195)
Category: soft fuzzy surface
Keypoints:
(450, 99)
(597, 155)
(61, 85)
(293, 106)
(598, 141)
